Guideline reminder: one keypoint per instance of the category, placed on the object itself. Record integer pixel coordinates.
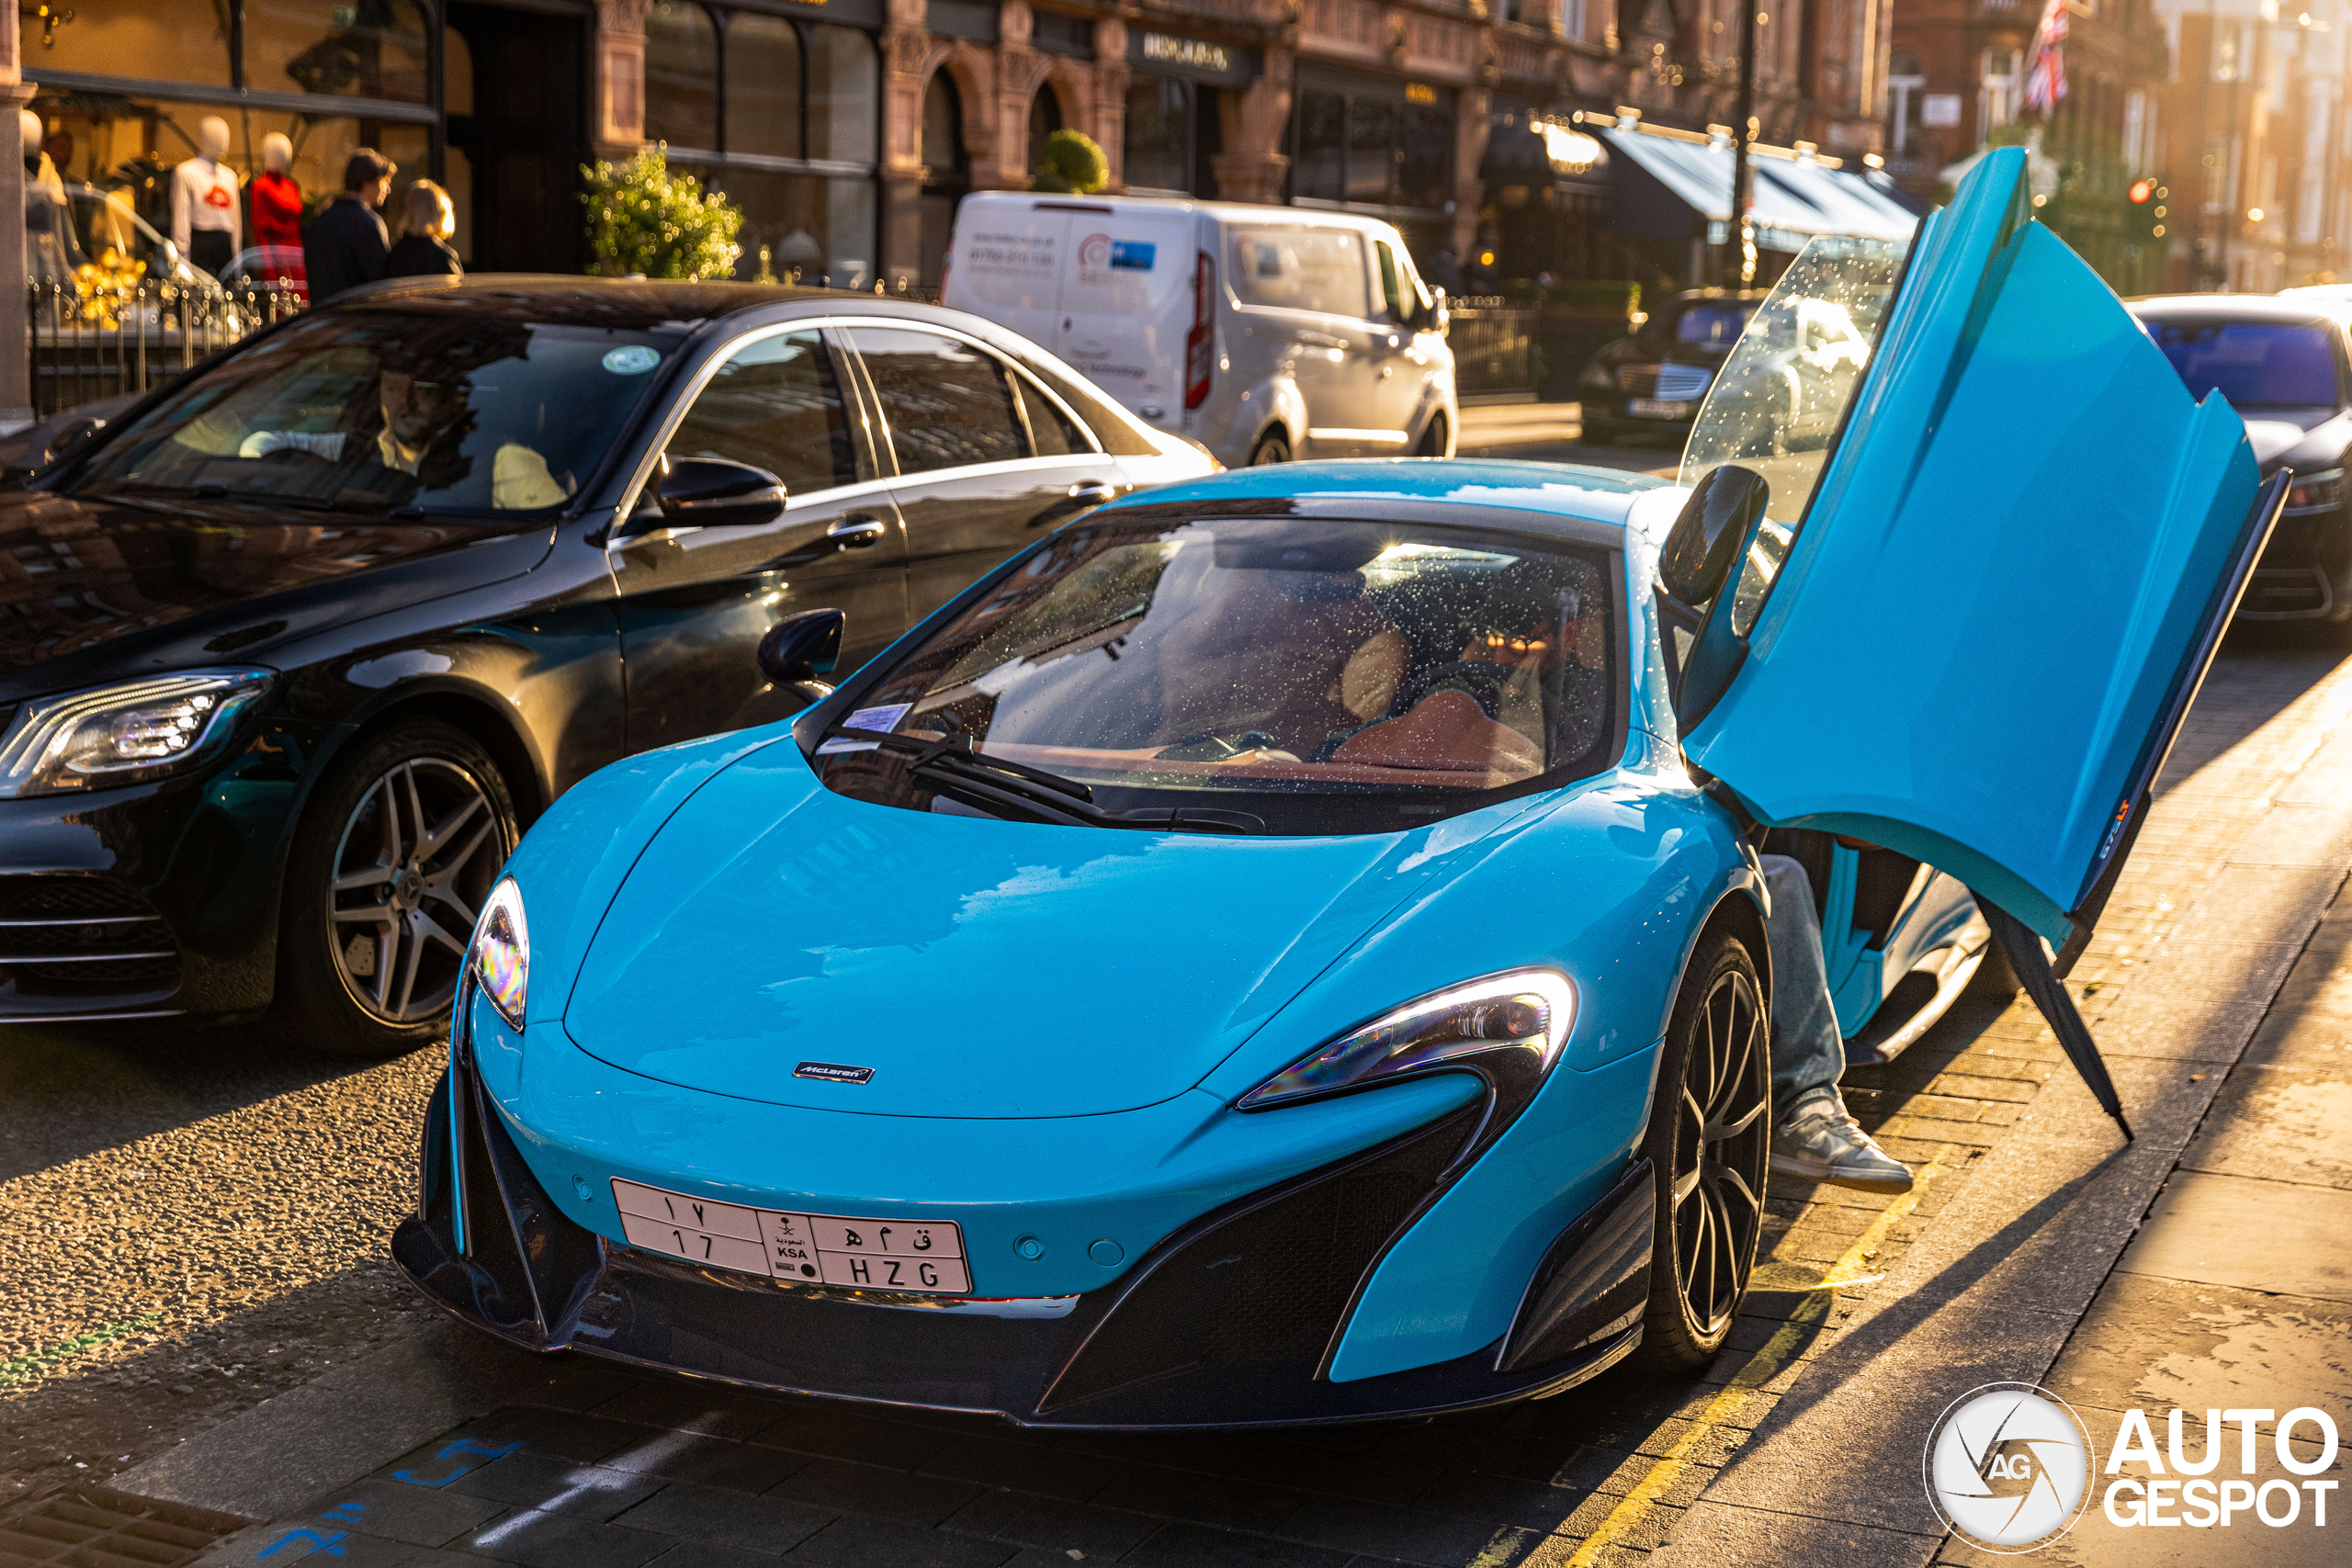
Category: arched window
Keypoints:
(844, 94)
(1044, 118)
(681, 76)
(944, 161)
(763, 85)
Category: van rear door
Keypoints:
(1007, 262)
(1126, 304)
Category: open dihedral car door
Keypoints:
(2000, 548)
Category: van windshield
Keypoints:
(1322, 676)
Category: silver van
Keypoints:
(1265, 333)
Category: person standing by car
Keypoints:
(347, 244)
(427, 220)
(1815, 1137)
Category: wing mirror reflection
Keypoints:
(802, 647)
(713, 493)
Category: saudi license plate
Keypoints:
(1650, 408)
(813, 1250)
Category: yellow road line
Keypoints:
(1759, 1369)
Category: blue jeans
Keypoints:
(1807, 1051)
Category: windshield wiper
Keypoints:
(996, 784)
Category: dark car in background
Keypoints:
(1653, 382)
(292, 650)
(2282, 362)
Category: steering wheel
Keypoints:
(1481, 679)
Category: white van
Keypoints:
(1262, 332)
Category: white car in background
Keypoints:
(1265, 333)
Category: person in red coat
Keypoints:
(278, 209)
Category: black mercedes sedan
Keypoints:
(1652, 382)
(292, 649)
(2285, 363)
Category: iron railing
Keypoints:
(1493, 343)
(111, 341)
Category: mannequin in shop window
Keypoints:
(205, 224)
(51, 249)
(278, 205)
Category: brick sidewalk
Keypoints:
(595, 1468)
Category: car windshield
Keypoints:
(2252, 363)
(1777, 405)
(1323, 676)
(440, 407)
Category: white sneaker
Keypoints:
(1821, 1142)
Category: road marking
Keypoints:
(24, 1369)
(1759, 1369)
(593, 1478)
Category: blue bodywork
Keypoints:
(1059, 1020)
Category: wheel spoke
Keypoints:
(430, 845)
(1731, 1178)
(412, 953)
(368, 877)
(467, 914)
(459, 859)
(367, 915)
(428, 927)
(390, 823)
(1683, 1184)
(1733, 1130)
(415, 809)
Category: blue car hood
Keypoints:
(980, 968)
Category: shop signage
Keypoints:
(1419, 93)
(1203, 60)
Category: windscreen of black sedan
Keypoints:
(1287, 675)
(433, 407)
(2269, 365)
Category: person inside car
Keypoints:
(1815, 1136)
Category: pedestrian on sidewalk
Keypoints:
(347, 243)
(1815, 1137)
(427, 220)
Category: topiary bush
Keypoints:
(1071, 165)
(642, 217)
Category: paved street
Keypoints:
(200, 1313)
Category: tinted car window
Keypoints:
(1303, 269)
(948, 405)
(1711, 325)
(2251, 362)
(1055, 435)
(1325, 676)
(775, 405)
(448, 410)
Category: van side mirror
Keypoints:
(802, 647)
(713, 493)
(1441, 314)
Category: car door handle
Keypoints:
(1092, 492)
(857, 532)
(1386, 371)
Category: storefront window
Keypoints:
(367, 49)
(681, 76)
(820, 228)
(1425, 157)
(103, 38)
(1368, 148)
(1320, 157)
(1372, 141)
(763, 85)
(843, 96)
(1160, 134)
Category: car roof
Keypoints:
(1254, 213)
(2242, 308)
(1562, 490)
(629, 303)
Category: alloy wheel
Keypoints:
(418, 856)
(1722, 1146)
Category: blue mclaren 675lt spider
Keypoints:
(1289, 946)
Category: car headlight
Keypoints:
(1518, 1019)
(126, 733)
(499, 958)
(2312, 492)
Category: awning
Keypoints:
(1661, 182)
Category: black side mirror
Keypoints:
(802, 647)
(1707, 536)
(712, 492)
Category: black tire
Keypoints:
(394, 856)
(1433, 441)
(1714, 1075)
(1273, 448)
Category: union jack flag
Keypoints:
(2046, 79)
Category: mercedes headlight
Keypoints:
(1509, 1024)
(126, 733)
(499, 958)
